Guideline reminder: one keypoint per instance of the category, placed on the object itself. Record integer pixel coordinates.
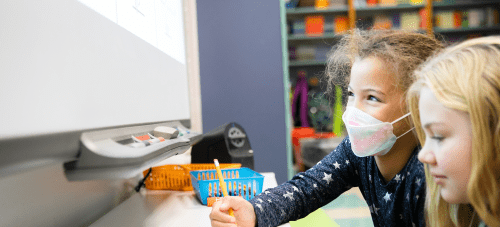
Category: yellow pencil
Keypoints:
(222, 183)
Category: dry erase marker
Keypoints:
(146, 143)
(155, 139)
(222, 183)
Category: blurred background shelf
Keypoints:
(319, 37)
(494, 29)
(311, 10)
(464, 4)
(307, 63)
(398, 7)
(309, 32)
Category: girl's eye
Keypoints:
(438, 138)
(373, 98)
(349, 93)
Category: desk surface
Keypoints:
(165, 208)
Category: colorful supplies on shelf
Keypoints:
(396, 20)
(240, 182)
(444, 19)
(410, 21)
(382, 21)
(388, 2)
(341, 24)
(176, 177)
(477, 18)
(314, 25)
(300, 100)
(298, 27)
(457, 19)
(305, 52)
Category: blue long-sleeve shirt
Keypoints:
(399, 202)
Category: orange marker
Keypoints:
(222, 183)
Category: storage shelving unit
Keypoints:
(316, 67)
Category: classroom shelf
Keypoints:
(311, 10)
(389, 7)
(306, 63)
(305, 37)
(354, 13)
(458, 5)
(466, 30)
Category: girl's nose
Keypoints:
(427, 156)
(358, 105)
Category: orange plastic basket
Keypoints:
(176, 177)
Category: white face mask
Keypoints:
(369, 136)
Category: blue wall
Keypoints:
(241, 75)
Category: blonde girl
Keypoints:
(455, 104)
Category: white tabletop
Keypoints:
(156, 208)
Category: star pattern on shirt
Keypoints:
(418, 181)
(260, 207)
(301, 176)
(315, 185)
(387, 197)
(373, 209)
(270, 201)
(328, 178)
(337, 165)
(288, 195)
(408, 173)
(295, 188)
(398, 178)
(266, 192)
(408, 196)
(347, 162)
(282, 212)
(260, 200)
(319, 163)
(370, 178)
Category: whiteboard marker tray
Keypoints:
(104, 154)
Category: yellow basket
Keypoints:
(176, 177)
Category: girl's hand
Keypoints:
(244, 214)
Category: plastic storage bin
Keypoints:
(240, 181)
(176, 177)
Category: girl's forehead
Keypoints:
(433, 111)
(372, 72)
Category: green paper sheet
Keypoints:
(317, 218)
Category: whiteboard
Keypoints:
(67, 65)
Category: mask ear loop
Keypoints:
(405, 133)
(406, 115)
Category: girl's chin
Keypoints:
(451, 197)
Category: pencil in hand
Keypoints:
(222, 183)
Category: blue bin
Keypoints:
(240, 182)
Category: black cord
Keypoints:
(141, 182)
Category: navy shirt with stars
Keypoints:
(399, 202)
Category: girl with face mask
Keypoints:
(379, 153)
(455, 104)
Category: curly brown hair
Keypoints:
(403, 51)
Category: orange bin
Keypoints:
(176, 177)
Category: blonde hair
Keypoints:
(402, 50)
(466, 77)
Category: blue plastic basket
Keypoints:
(241, 181)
